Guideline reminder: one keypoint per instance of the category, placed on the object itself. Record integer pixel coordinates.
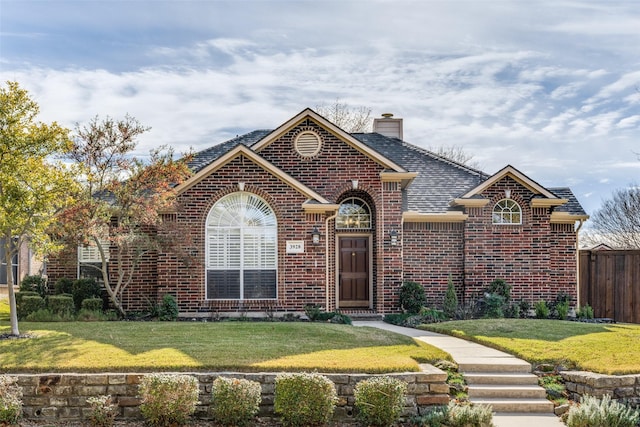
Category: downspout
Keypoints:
(578, 263)
(326, 262)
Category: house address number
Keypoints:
(295, 246)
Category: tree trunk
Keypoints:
(13, 313)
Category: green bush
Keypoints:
(61, 305)
(512, 311)
(46, 315)
(396, 318)
(168, 399)
(412, 297)
(85, 315)
(36, 284)
(542, 310)
(83, 289)
(469, 415)
(313, 312)
(436, 416)
(304, 399)
(63, 286)
(168, 309)
(380, 400)
(235, 402)
(500, 287)
(585, 312)
(562, 309)
(28, 302)
(103, 411)
(450, 304)
(494, 305)
(92, 304)
(598, 413)
(10, 400)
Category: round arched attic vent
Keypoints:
(308, 144)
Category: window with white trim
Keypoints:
(354, 213)
(3, 264)
(90, 261)
(507, 212)
(241, 248)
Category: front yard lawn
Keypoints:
(196, 346)
(603, 348)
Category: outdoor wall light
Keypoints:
(393, 235)
(315, 235)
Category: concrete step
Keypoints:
(507, 391)
(500, 378)
(498, 364)
(515, 404)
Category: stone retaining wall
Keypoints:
(619, 387)
(63, 397)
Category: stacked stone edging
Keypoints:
(619, 387)
(63, 397)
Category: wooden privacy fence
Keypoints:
(609, 282)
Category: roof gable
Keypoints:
(516, 175)
(335, 130)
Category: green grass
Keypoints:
(603, 348)
(184, 346)
(4, 310)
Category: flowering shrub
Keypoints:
(10, 400)
(168, 399)
(235, 401)
(380, 400)
(103, 411)
(304, 399)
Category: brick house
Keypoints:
(310, 214)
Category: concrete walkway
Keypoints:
(467, 353)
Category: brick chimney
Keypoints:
(388, 126)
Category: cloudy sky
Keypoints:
(550, 87)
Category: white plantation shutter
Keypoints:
(241, 252)
(91, 253)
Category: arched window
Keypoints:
(507, 211)
(241, 248)
(354, 213)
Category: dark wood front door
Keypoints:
(354, 272)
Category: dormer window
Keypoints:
(507, 212)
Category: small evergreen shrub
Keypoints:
(103, 411)
(380, 400)
(304, 399)
(168, 399)
(10, 400)
(436, 416)
(412, 297)
(500, 287)
(396, 318)
(524, 308)
(168, 309)
(83, 289)
(46, 315)
(562, 309)
(542, 310)
(592, 412)
(63, 286)
(28, 302)
(512, 311)
(494, 306)
(469, 415)
(61, 305)
(585, 312)
(313, 312)
(36, 284)
(235, 402)
(450, 304)
(92, 304)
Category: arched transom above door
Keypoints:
(353, 214)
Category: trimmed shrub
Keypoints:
(83, 289)
(304, 399)
(63, 286)
(412, 297)
(597, 413)
(168, 399)
(10, 400)
(27, 303)
(168, 309)
(61, 305)
(542, 310)
(92, 304)
(450, 304)
(585, 312)
(103, 411)
(380, 400)
(562, 309)
(469, 415)
(494, 306)
(235, 402)
(36, 284)
(500, 287)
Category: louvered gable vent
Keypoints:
(308, 144)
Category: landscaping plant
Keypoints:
(450, 304)
(412, 297)
(542, 310)
(585, 312)
(103, 411)
(380, 400)
(168, 400)
(304, 399)
(592, 412)
(168, 309)
(10, 400)
(436, 416)
(469, 415)
(28, 302)
(36, 284)
(61, 305)
(235, 402)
